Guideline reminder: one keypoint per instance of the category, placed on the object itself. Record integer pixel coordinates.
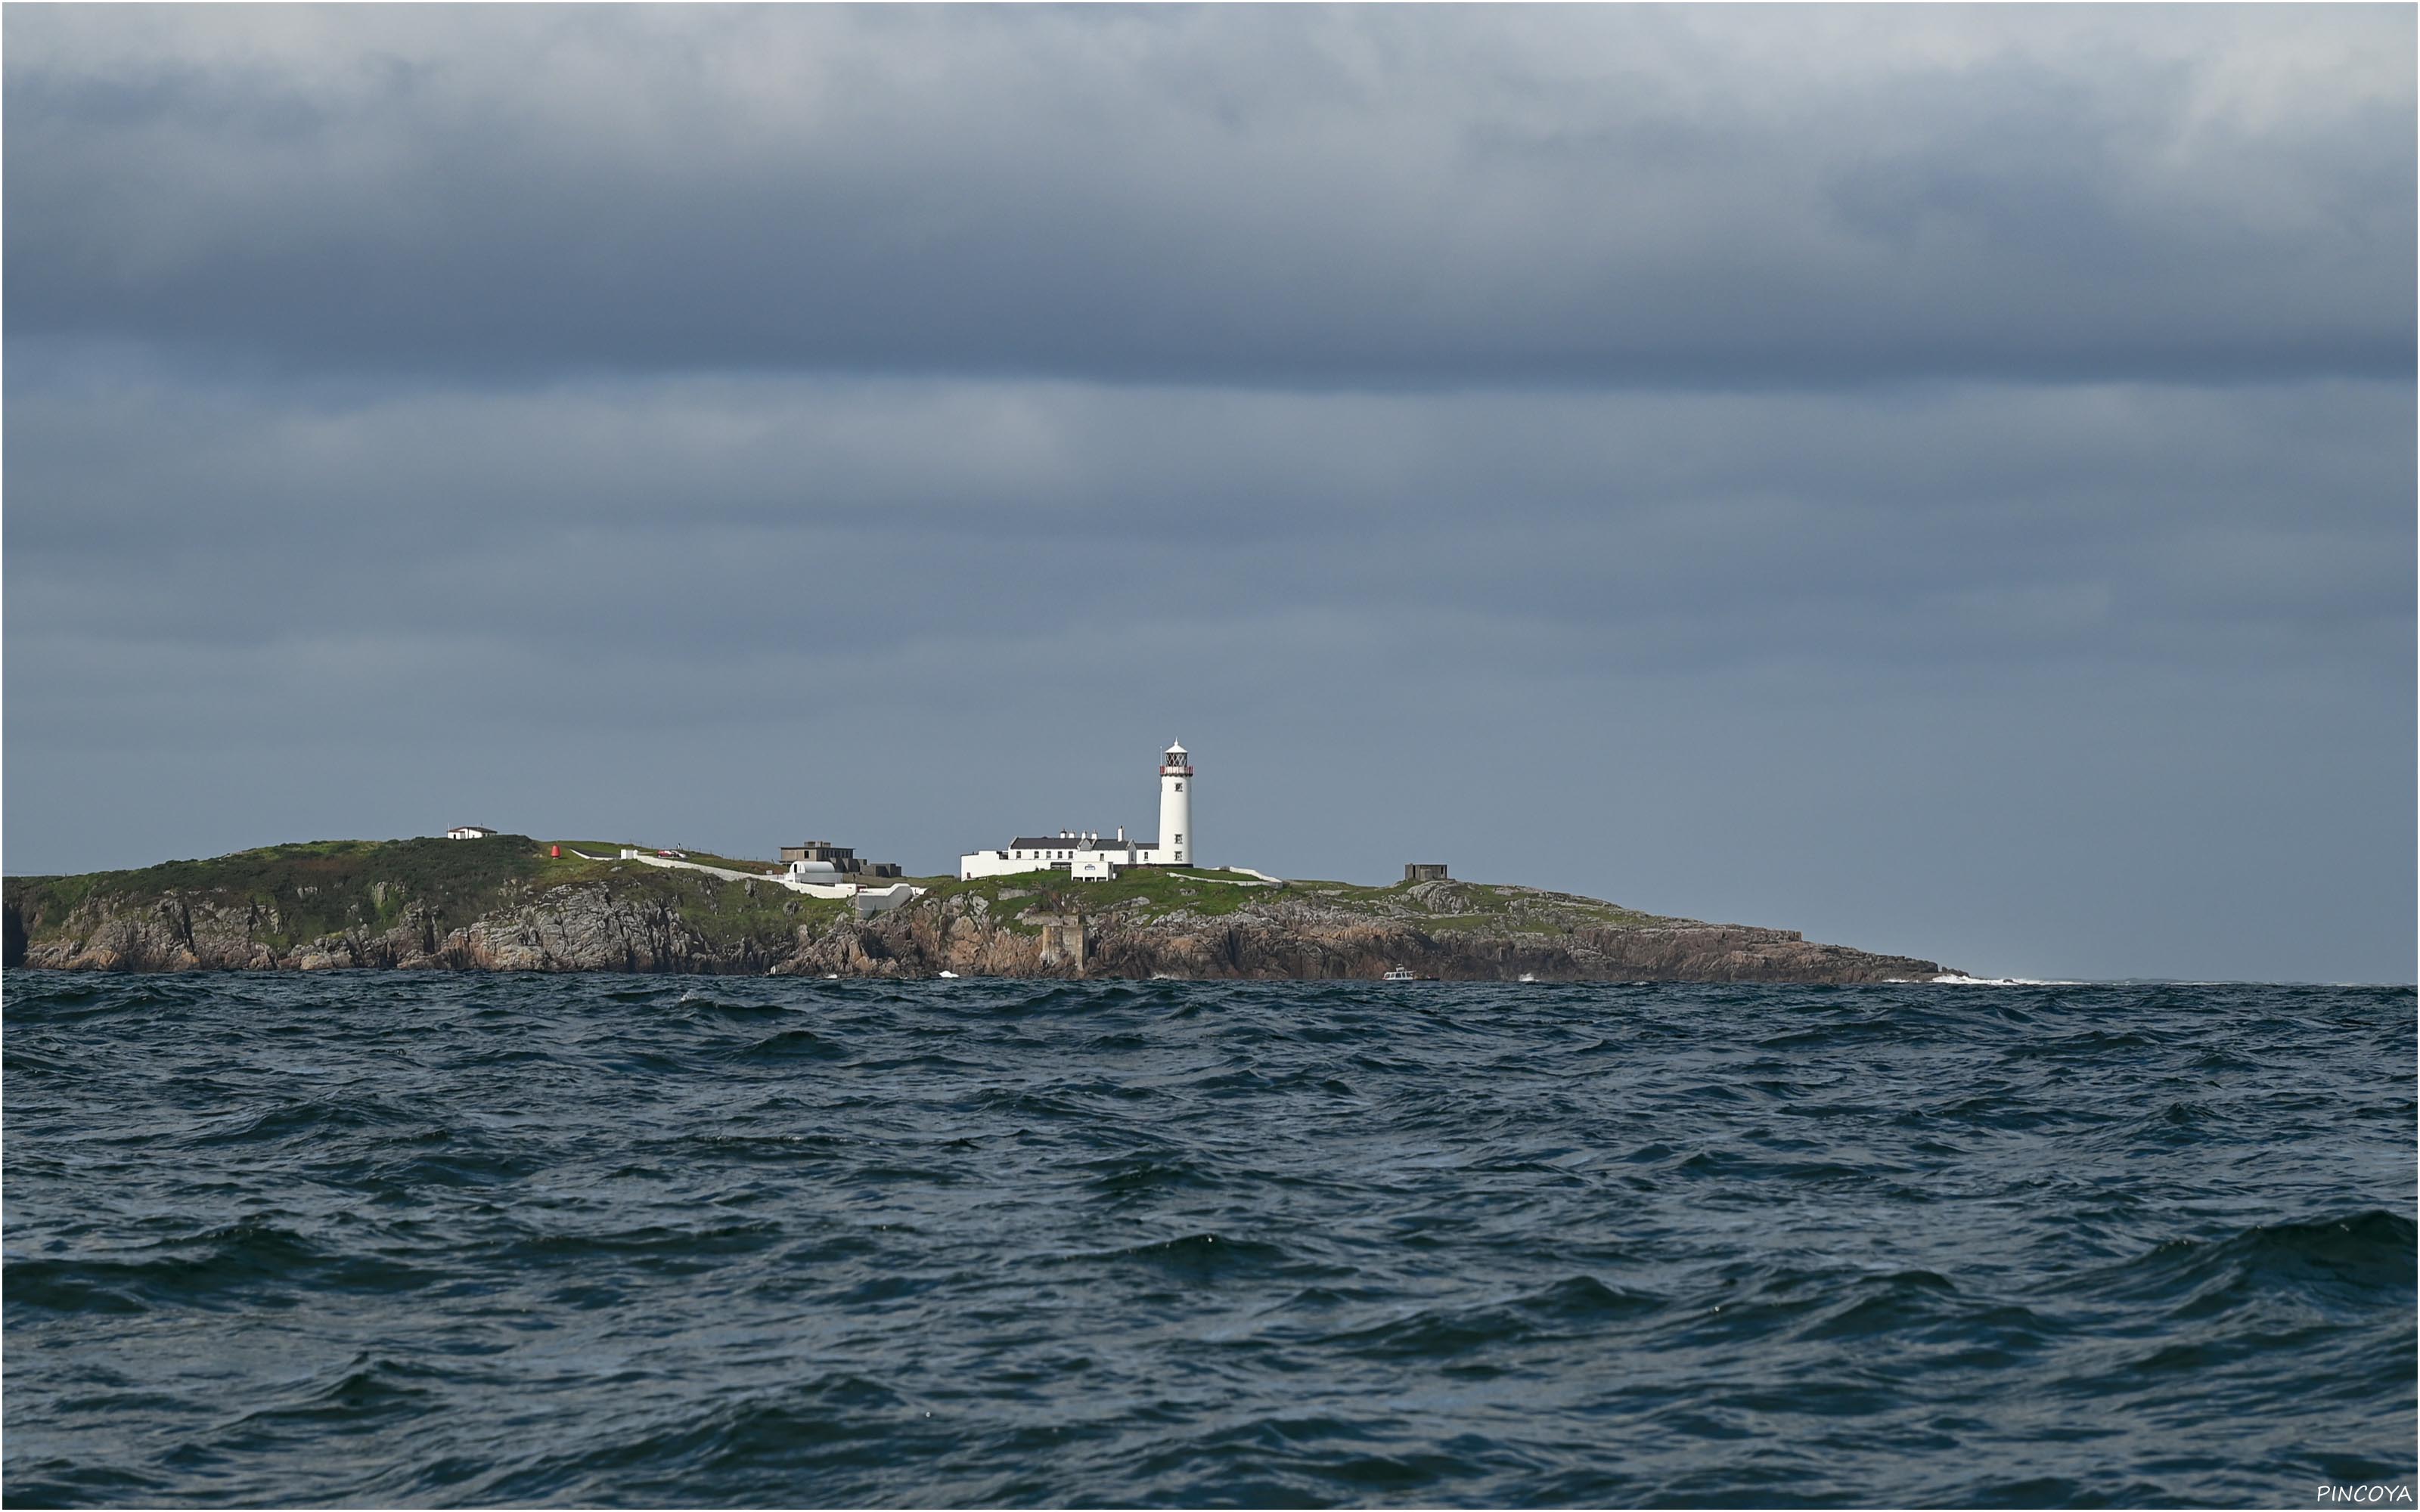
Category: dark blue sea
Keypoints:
(431, 1239)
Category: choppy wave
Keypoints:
(435, 1239)
(1962, 979)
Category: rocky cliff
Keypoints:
(357, 904)
(1287, 936)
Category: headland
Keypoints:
(510, 903)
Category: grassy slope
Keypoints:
(1150, 894)
(323, 888)
(326, 886)
(1478, 907)
(316, 887)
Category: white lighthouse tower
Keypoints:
(1175, 808)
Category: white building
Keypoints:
(469, 832)
(1085, 855)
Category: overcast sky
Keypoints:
(1939, 479)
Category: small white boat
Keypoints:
(1398, 974)
(949, 976)
(1529, 976)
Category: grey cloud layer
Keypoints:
(1974, 521)
(1233, 196)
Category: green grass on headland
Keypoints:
(315, 888)
(1148, 892)
(1449, 906)
(308, 891)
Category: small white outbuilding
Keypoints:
(469, 832)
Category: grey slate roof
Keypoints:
(1069, 842)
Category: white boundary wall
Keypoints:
(869, 899)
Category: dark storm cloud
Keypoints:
(1232, 196)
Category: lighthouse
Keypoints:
(1175, 807)
(1084, 855)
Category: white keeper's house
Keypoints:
(1086, 856)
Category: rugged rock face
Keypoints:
(567, 929)
(1290, 939)
(1451, 930)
